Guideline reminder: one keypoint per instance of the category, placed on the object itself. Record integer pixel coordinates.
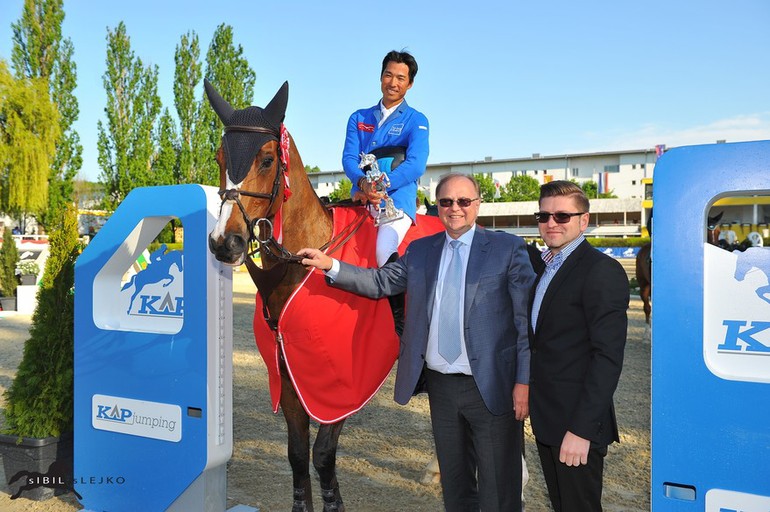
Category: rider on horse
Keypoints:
(397, 135)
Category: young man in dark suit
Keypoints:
(477, 283)
(578, 335)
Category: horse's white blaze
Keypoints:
(224, 215)
(219, 229)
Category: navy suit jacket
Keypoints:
(499, 278)
(577, 349)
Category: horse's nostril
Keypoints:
(235, 244)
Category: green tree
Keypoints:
(591, 189)
(228, 70)
(9, 257)
(39, 402)
(487, 186)
(127, 144)
(421, 197)
(341, 191)
(187, 76)
(309, 170)
(29, 129)
(88, 194)
(40, 51)
(164, 164)
(521, 188)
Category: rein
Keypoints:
(268, 279)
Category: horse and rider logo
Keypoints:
(736, 297)
(157, 289)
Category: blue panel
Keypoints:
(708, 432)
(118, 471)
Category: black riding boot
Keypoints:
(397, 303)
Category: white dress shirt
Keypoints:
(433, 359)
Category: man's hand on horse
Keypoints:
(315, 258)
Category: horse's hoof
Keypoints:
(332, 500)
(300, 504)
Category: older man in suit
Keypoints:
(465, 342)
(579, 321)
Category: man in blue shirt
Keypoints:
(397, 135)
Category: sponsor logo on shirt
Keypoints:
(396, 129)
(366, 127)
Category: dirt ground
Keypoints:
(385, 448)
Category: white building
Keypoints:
(621, 172)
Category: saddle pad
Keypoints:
(339, 347)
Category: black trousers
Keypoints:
(573, 488)
(479, 454)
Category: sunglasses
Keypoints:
(463, 202)
(559, 217)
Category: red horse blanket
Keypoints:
(339, 347)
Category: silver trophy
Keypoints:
(379, 181)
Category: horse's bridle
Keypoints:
(268, 244)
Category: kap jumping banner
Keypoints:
(153, 358)
(710, 334)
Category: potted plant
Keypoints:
(28, 271)
(9, 255)
(39, 402)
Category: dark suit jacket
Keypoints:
(577, 349)
(498, 283)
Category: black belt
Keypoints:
(449, 374)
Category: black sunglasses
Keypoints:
(559, 217)
(463, 202)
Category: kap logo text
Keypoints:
(736, 309)
(137, 417)
(157, 290)
(744, 336)
(114, 413)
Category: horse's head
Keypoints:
(251, 178)
(430, 209)
(712, 229)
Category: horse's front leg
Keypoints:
(298, 424)
(325, 463)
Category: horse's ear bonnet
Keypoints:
(240, 143)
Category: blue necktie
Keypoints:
(450, 317)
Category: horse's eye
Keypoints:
(267, 162)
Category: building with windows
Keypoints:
(624, 173)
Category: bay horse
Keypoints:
(644, 278)
(644, 264)
(311, 336)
